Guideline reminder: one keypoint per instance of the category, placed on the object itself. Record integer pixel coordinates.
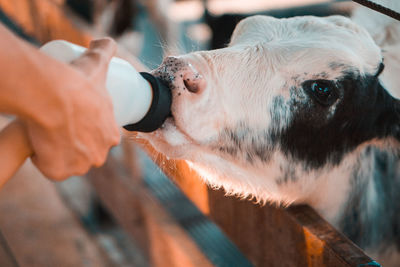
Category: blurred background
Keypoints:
(150, 29)
(128, 213)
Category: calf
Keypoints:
(293, 111)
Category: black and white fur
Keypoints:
(246, 118)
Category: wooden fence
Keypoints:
(183, 223)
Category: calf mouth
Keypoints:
(179, 75)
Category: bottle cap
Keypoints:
(160, 107)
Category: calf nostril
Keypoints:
(191, 84)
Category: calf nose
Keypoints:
(182, 74)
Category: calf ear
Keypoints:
(254, 28)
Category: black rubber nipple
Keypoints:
(160, 107)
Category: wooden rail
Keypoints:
(170, 224)
(268, 235)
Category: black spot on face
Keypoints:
(365, 111)
(244, 143)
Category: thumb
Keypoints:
(94, 62)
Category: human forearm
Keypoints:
(27, 87)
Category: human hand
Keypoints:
(76, 128)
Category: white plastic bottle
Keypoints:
(141, 102)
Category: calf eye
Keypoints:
(323, 91)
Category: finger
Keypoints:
(116, 139)
(102, 153)
(107, 45)
(82, 171)
(94, 62)
(100, 159)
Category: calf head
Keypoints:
(286, 102)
